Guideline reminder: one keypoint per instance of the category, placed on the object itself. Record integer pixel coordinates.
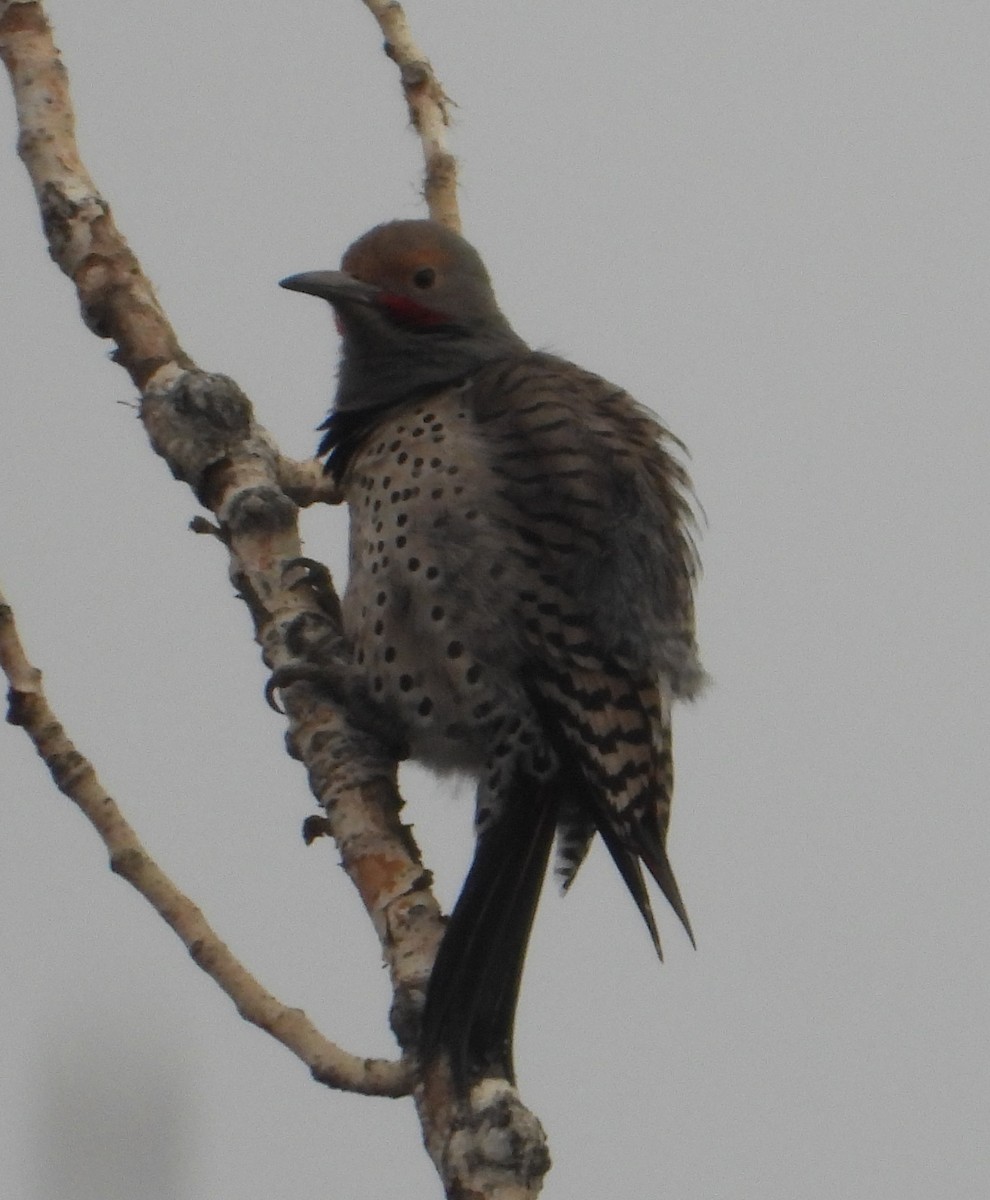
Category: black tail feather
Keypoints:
(474, 987)
(658, 864)
(632, 876)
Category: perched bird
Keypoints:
(520, 599)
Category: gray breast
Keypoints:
(426, 605)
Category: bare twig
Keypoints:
(76, 779)
(429, 110)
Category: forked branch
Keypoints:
(204, 427)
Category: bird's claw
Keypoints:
(317, 578)
(315, 826)
(283, 677)
(348, 694)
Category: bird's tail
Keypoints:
(471, 998)
(612, 738)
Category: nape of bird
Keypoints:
(519, 604)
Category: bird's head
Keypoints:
(414, 307)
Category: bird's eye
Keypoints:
(425, 277)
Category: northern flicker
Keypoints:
(520, 598)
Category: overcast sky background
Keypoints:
(770, 222)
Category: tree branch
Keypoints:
(429, 110)
(204, 427)
(75, 778)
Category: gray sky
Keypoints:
(770, 223)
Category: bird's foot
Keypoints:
(347, 690)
